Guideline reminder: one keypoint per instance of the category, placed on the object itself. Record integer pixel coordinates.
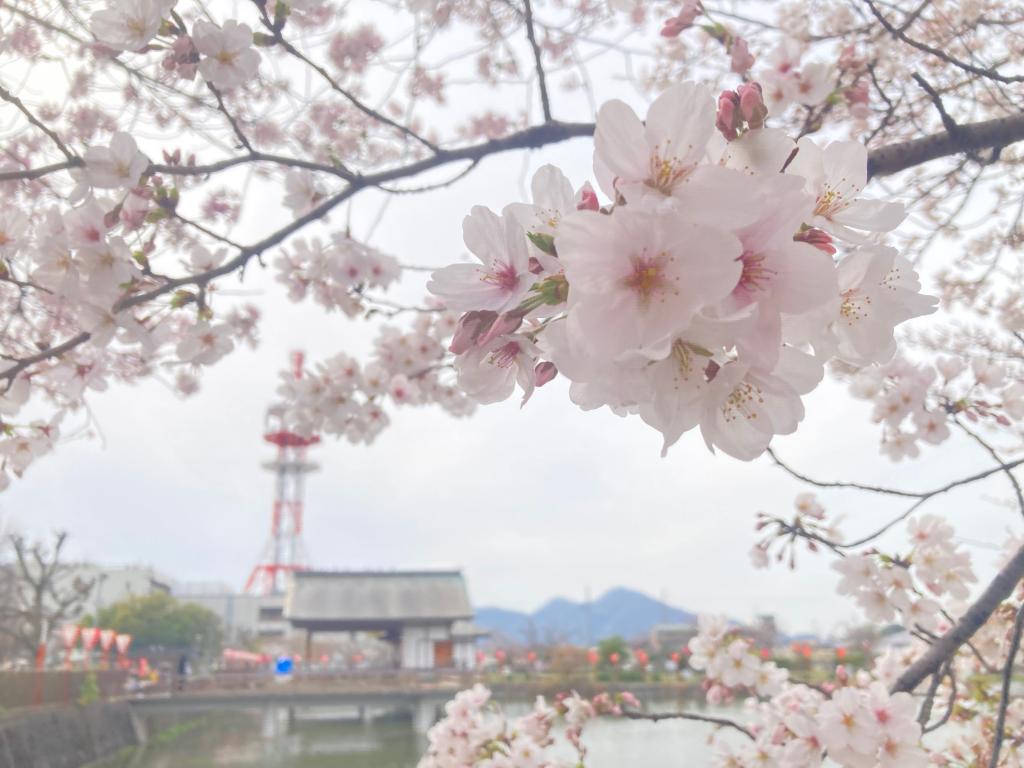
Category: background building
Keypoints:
(423, 615)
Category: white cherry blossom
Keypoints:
(228, 59)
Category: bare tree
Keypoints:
(36, 595)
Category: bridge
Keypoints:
(365, 697)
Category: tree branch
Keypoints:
(999, 589)
(657, 716)
(1004, 699)
(12, 99)
(542, 83)
(969, 137)
(900, 34)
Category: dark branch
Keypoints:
(542, 82)
(999, 589)
(970, 137)
(900, 34)
(12, 99)
(1004, 698)
(657, 716)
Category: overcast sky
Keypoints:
(532, 503)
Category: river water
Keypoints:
(248, 740)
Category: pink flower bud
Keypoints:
(740, 56)
(683, 20)
(673, 27)
(586, 198)
(543, 373)
(728, 118)
(818, 238)
(629, 700)
(505, 323)
(752, 105)
(471, 326)
(857, 93)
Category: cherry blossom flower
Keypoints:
(128, 25)
(879, 289)
(13, 231)
(659, 159)
(836, 175)
(228, 58)
(302, 191)
(205, 344)
(117, 166)
(638, 279)
(746, 407)
(504, 277)
(490, 372)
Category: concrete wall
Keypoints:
(65, 737)
(24, 689)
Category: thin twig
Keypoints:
(657, 716)
(58, 142)
(235, 126)
(1004, 699)
(951, 126)
(542, 83)
(999, 589)
(990, 74)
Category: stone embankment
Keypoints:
(65, 737)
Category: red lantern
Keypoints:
(531, 656)
(766, 653)
(641, 657)
(840, 653)
(481, 658)
(499, 656)
(106, 643)
(68, 637)
(675, 656)
(593, 657)
(107, 639)
(90, 636)
(613, 657)
(122, 642)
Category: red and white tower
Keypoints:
(284, 552)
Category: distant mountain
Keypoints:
(618, 611)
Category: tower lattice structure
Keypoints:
(284, 552)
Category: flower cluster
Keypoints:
(809, 525)
(730, 662)
(898, 586)
(223, 54)
(475, 733)
(344, 398)
(705, 295)
(335, 273)
(787, 82)
(860, 725)
(917, 403)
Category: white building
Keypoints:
(110, 584)
(244, 616)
